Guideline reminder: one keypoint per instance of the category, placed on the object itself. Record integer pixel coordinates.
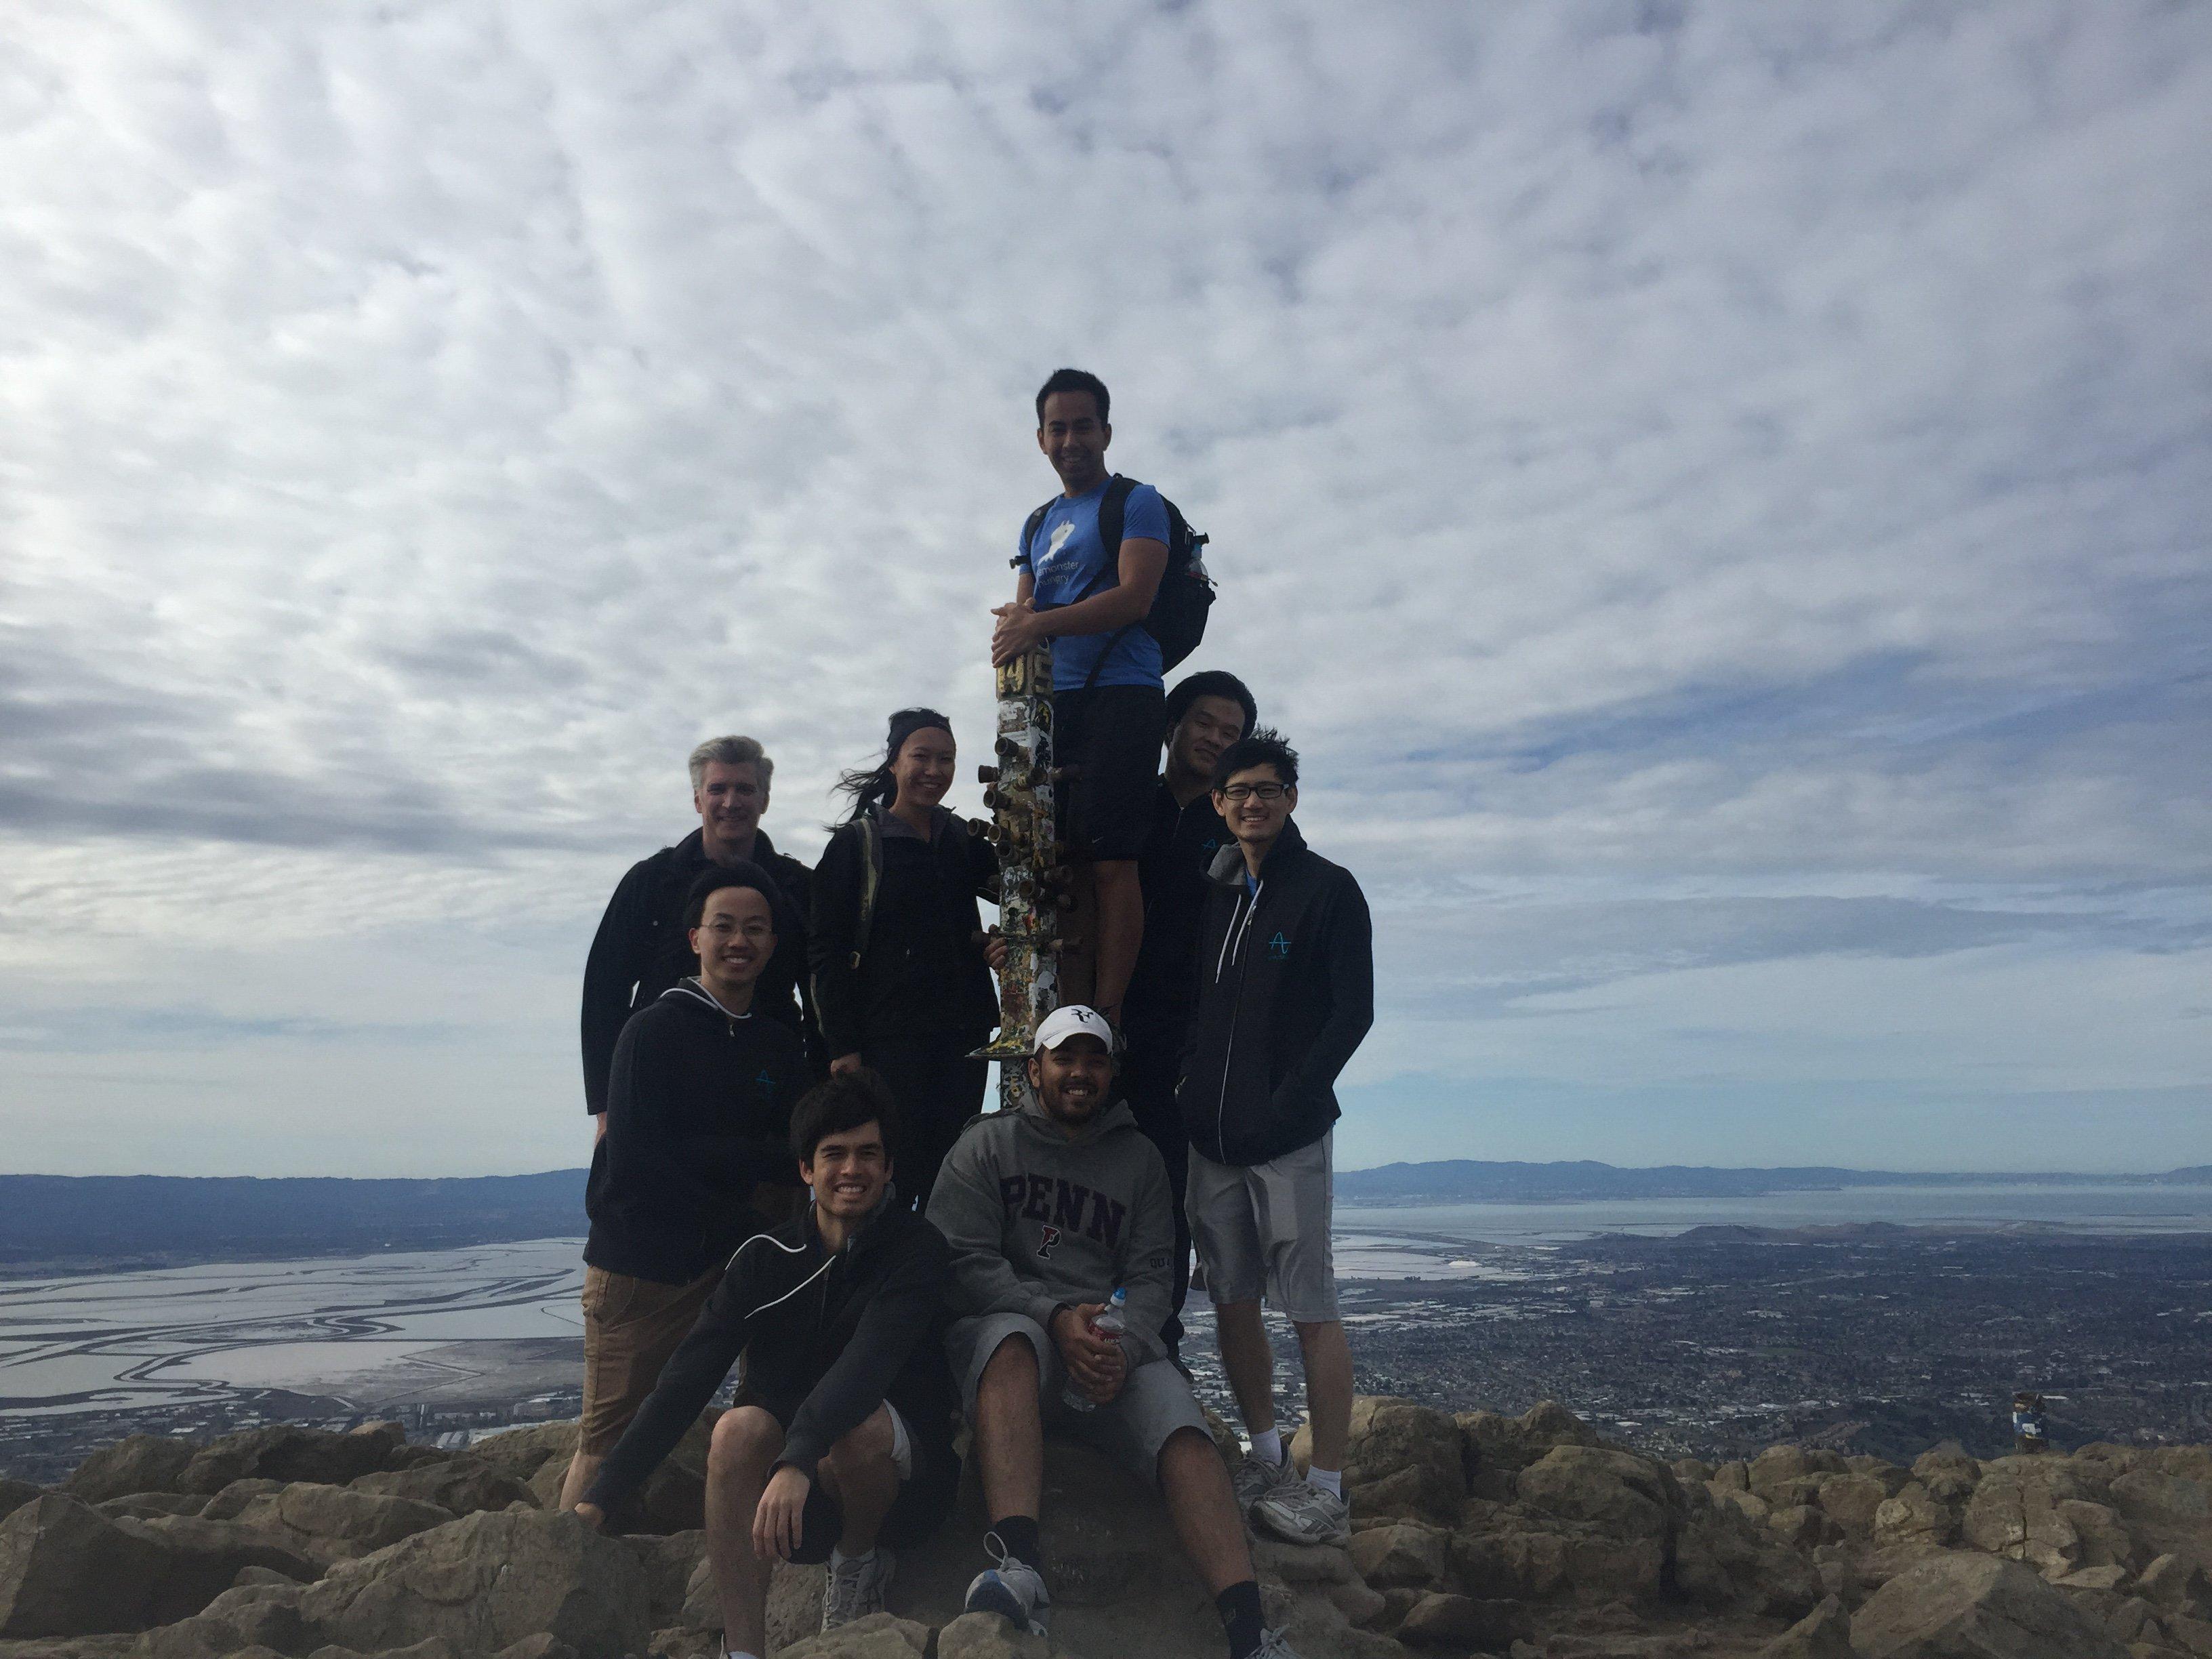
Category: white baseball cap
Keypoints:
(1073, 1020)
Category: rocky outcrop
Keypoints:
(1476, 1535)
(1959, 1606)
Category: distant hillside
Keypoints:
(1466, 1180)
(65, 1221)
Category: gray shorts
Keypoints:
(1155, 1401)
(1264, 1227)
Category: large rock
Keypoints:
(523, 1453)
(880, 1636)
(1823, 1633)
(975, 1636)
(1618, 1493)
(1724, 1558)
(1948, 1473)
(329, 1524)
(288, 1453)
(1441, 1620)
(204, 1559)
(1915, 1520)
(2017, 1512)
(1408, 1552)
(138, 1462)
(1401, 1460)
(14, 1494)
(1496, 1449)
(1962, 1606)
(68, 1571)
(461, 1486)
(483, 1584)
(2165, 1500)
(1851, 1500)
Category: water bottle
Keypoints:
(1111, 1321)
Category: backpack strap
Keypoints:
(1113, 511)
(871, 828)
(1030, 531)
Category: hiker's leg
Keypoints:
(1010, 1432)
(1120, 931)
(742, 1454)
(1203, 1507)
(1328, 1388)
(1247, 1362)
(862, 1472)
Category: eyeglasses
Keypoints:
(723, 927)
(1243, 791)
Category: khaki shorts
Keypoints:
(1264, 1227)
(631, 1325)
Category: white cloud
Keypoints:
(1685, 467)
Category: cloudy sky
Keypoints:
(1717, 493)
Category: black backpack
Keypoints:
(1177, 619)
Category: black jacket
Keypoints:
(642, 948)
(827, 1337)
(698, 1114)
(895, 943)
(1285, 992)
(1179, 848)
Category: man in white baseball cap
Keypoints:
(1049, 1211)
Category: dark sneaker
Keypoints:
(854, 1588)
(1299, 1512)
(1013, 1589)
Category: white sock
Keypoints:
(1267, 1445)
(1329, 1480)
(838, 1557)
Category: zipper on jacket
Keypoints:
(1229, 958)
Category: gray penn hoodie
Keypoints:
(1039, 1219)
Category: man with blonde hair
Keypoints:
(642, 947)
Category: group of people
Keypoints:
(792, 1173)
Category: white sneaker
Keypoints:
(1299, 1512)
(1274, 1645)
(1013, 1589)
(1255, 1477)
(854, 1586)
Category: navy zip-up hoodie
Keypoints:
(642, 948)
(698, 1114)
(1286, 991)
(827, 1336)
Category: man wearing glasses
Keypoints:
(1285, 992)
(699, 1099)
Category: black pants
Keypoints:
(1148, 1080)
(938, 1088)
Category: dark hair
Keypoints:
(839, 1105)
(871, 784)
(1211, 683)
(716, 877)
(1264, 747)
(1075, 380)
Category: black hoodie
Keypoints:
(827, 1336)
(642, 948)
(698, 1114)
(1286, 991)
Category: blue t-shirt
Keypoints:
(1069, 564)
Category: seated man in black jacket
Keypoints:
(699, 1110)
(840, 1444)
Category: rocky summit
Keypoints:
(1479, 1534)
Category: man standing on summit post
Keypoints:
(1285, 992)
(1108, 699)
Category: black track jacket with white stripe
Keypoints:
(828, 1336)
(1285, 992)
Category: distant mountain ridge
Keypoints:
(1468, 1180)
(65, 1220)
(77, 1223)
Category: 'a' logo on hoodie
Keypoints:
(1278, 948)
(766, 1084)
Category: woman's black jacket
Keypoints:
(896, 943)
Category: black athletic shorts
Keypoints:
(1113, 733)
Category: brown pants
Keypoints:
(631, 1326)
